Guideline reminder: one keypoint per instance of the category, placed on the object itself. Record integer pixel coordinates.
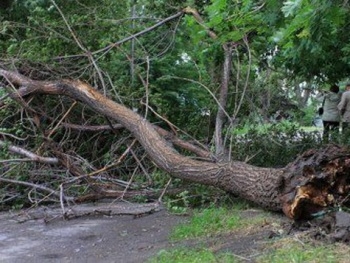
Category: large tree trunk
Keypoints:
(274, 189)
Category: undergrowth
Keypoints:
(261, 144)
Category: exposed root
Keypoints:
(317, 182)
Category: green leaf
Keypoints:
(291, 7)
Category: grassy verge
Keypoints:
(213, 221)
(295, 250)
(212, 228)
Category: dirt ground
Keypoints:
(117, 238)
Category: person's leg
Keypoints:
(346, 132)
(334, 130)
(326, 127)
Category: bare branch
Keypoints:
(32, 156)
(118, 43)
(200, 151)
(92, 128)
(40, 187)
(87, 52)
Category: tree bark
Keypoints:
(275, 189)
(220, 116)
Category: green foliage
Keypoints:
(233, 20)
(4, 152)
(182, 101)
(308, 115)
(41, 35)
(261, 144)
(182, 203)
(193, 196)
(291, 7)
(314, 35)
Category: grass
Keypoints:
(311, 129)
(206, 224)
(295, 251)
(213, 221)
(192, 256)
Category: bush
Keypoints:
(273, 145)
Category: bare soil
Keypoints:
(116, 238)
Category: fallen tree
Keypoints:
(316, 182)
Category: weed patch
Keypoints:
(212, 221)
(193, 256)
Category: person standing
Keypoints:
(331, 115)
(344, 109)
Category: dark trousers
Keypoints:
(346, 131)
(330, 127)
